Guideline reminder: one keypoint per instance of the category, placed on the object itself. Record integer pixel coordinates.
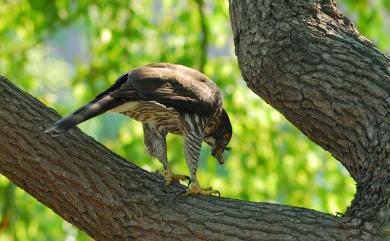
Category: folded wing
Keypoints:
(175, 86)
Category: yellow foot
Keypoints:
(171, 177)
(194, 188)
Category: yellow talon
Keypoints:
(194, 188)
(170, 177)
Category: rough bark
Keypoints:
(308, 61)
(302, 57)
(112, 199)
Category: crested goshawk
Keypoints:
(166, 98)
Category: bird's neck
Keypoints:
(213, 122)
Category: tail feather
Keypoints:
(92, 109)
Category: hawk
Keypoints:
(166, 98)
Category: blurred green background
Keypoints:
(65, 52)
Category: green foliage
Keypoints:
(65, 52)
(371, 18)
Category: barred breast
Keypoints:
(152, 112)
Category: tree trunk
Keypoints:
(112, 199)
(302, 57)
(308, 61)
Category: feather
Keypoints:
(177, 86)
(173, 86)
(102, 103)
(92, 109)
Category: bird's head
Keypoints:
(220, 137)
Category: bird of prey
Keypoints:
(166, 98)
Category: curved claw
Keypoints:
(170, 177)
(194, 188)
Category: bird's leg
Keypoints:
(192, 145)
(172, 177)
(156, 146)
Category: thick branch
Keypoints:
(307, 60)
(112, 199)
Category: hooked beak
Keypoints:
(218, 154)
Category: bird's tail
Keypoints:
(92, 109)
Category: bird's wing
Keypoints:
(118, 83)
(176, 86)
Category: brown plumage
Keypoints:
(166, 98)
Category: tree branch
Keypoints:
(302, 57)
(112, 199)
(308, 61)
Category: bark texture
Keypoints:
(302, 57)
(308, 61)
(112, 199)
